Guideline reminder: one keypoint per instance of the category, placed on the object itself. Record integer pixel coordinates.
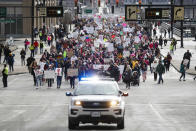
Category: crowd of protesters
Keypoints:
(97, 46)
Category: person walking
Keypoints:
(22, 54)
(59, 73)
(5, 76)
(10, 60)
(144, 71)
(165, 42)
(41, 46)
(72, 78)
(161, 42)
(126, 76)
(36, 45)
(182, 71)
(26, 43)
(187, 55)
(1, 49)
(38, 76)
(32, 49)
(154, 66)
(33, 67)
(160, 70)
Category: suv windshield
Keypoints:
(95, 88)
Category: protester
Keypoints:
(72, 78)
(187, 55)
(182, 70)
(5, 76)
(154, 66)
(38, 75)
(160, 70)
(59, 73)
(10, 61)
(127, 76)
(32, 49)
(22, 54)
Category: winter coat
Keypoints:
(160, 69)
(127, 76)
(182, 68)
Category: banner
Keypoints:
(72, 72)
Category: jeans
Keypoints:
(39, 80)
(41, 50)
(59, 79)
(32, 53)
(160, 78)
(4, 81)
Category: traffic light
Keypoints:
(99, 3)
(76, 3)
(117, 1)
(56, 11)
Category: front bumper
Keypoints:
(107, 115)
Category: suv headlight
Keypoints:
(77, 103)
(114, 103)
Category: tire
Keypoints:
(121, 124)
(72, 124)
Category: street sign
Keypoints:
(55, 11)
(42, 11)
(130, 12)
(88, 11)
(7, 21)
(178, 13)
(3, 12)
(165, 13)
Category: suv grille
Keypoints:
(95, 104)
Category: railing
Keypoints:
(176, 31)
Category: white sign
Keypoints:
(42, 11)
(72, 72)
(49, 74)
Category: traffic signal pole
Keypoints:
(182, 44)
(32, 21)
(44, 5)
(172, 20)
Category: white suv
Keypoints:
(96, 101)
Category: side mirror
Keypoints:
(125, 94)
(68, 94)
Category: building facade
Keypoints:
(17, 19)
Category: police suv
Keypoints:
(96, 101)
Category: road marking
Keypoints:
(156, 112)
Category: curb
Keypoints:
(178, 69)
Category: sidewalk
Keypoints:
(18, 69)
(190, 45)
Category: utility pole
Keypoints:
(172, 19)
(32, 22)
(182, 44)
(44, 5)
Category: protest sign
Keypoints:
(126, 53)
(110, 47)
(118, 40)
(72, 72)
(49, 74)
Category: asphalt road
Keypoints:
(170, 106)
